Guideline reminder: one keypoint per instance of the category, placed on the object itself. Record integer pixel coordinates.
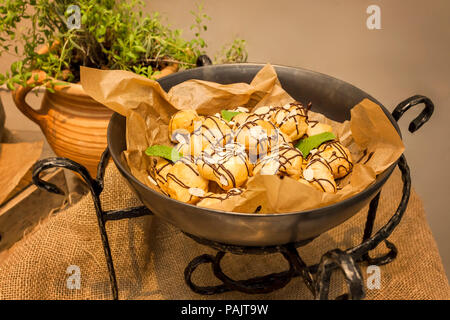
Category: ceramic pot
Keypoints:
(73, 123)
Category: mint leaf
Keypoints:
(165, 152)
(312, 142)
(228, 115)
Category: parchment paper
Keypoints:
(15, 160)
(369, 135)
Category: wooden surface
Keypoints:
(27, 205)
(23, 212)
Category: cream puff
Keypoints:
(228, 166)
(264, 112)
(337, 156)
(257, 136)
(242, 118)
(212, 131)
(184, 182)
(283, 160)
(291, 119)
(182, 123)
(161, 167)
(317, 172)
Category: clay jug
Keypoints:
(73, 123)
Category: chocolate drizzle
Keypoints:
(213, 134)
(280, 155)
(365, 154)
(296, 112)
(156, 173)
(314, 123)
(224, 196)
(323, 180)
(338, 153)
(217, 158)
(261, 144)
(160, 177)
(188, 162)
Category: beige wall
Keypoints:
(410, 55)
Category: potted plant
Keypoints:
(53, 38)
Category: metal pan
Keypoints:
(332, 97)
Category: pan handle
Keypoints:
(423, 117)
(203, 60)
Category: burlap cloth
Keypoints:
(150, 255)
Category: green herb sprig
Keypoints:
(312, 142)
(165, 152)
(113, 35)
(228, 115)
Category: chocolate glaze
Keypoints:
(314, 123)
(212, 138)
(288, 114)
(222, 196)
(280, 155)
(336, 155)
(230, 151)
(341, 154)
(189, 162)
(320, 182)
(365, 154)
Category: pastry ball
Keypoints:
(315, 127)
(257, 137)
(318, 173)
(210, 199)
(337, 156)
(182, 122)
(184, 182)
(290, 160)
(264, 112)
(284, 159)
(160, 169)
(228, 166)
(213, 131)
(242, 118)
(291, 120)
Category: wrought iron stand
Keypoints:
(316, 277)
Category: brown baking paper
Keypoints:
(369, 135)
(15, 160)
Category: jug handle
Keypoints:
(20, 93)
